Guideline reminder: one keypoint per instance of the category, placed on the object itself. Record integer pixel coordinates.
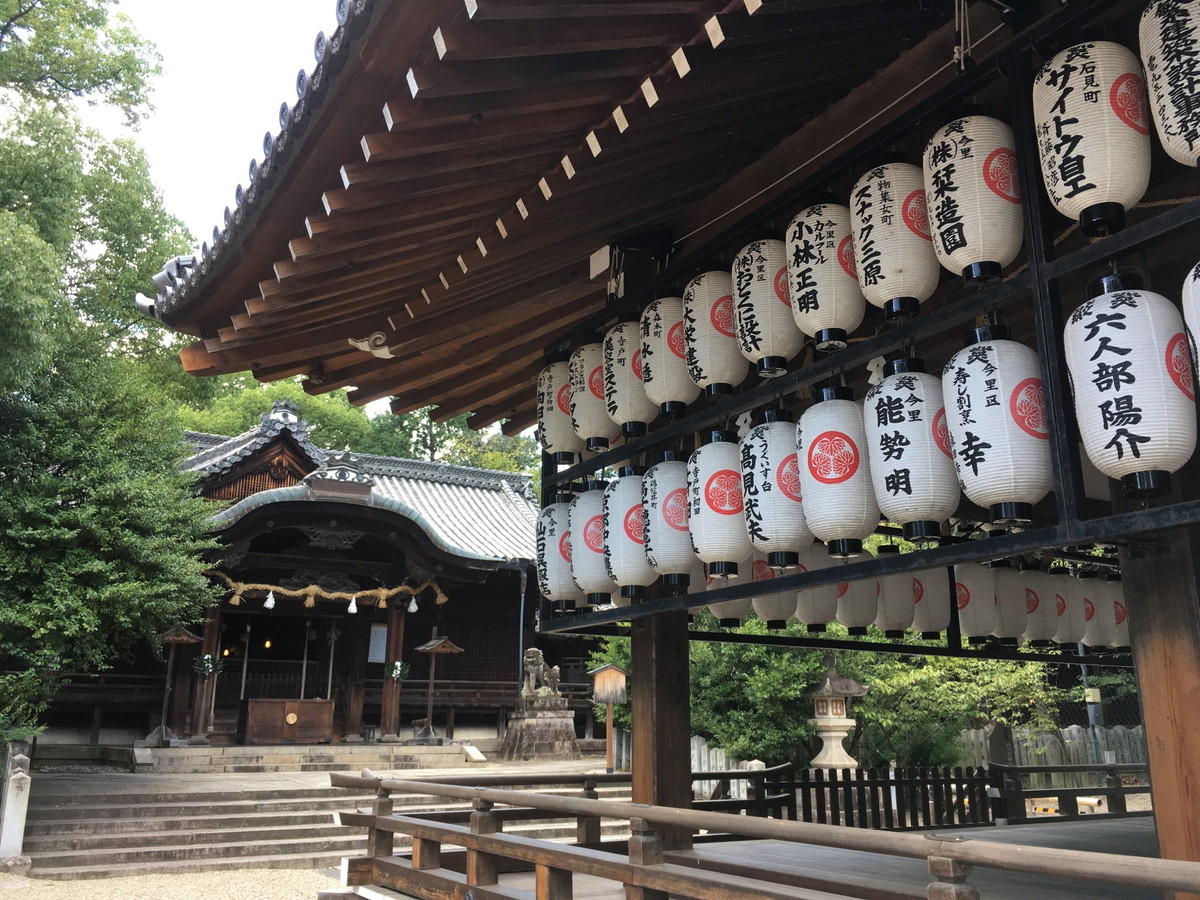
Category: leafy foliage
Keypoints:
(414, 435)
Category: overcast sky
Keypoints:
(227, 66)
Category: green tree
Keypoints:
(495, 450)
(414, 435)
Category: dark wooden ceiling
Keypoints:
(441, 187)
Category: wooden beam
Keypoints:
(479, 40)
(525, 418)
(509, 10)
(465, 78)
(530, 129)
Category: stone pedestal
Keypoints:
(833, 730)
(540, 728)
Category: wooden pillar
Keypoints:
(389, 715)
(661, 718)
(181, 681)
(357, 637)
(201, 718)
(1164, 625)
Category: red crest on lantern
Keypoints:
(832, 457)
(723, 492)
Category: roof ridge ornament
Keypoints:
(340, 476)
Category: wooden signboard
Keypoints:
(289, 722)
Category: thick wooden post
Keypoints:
(1164, 626)
(357, 646)
(389, 715)
(481, 867)
(645, 849)
(661, 718)
(379, 841)
(202, 706)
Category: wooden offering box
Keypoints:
(289, 721)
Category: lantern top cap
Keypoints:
(595, 484)
(719, 436)
(673, 456)
(1125, 280)
(831, 684)
(628, 471)
(904, 364)
(994, 332)
(776, 414)
(837, 392)
(563, 496)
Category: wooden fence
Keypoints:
(894, 799)
(1071, 746)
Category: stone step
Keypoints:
(182, 866)
(349, 842)
(153, 839)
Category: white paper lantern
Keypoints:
(625, 535)
(1041, 608)
(767, 334)
(858, 604)
(710, 342)
(1168, 35)
(1095, 616)
(774, 510)
(729, 613)
(1010, 587)
(715, 507)
(931, 602)
(975, 599)
(664, 357)
(895, 612)
(624, 395)
(586, 526)
(773, 608)
(1069, 607)
(554, 430)
(668, 542)
(1120, 631)
(974, 198)
(908, 446)
(835, 474)
(1093, 134)
(893, 251)
(1131, 373)
(1191, 304)
(827, 302)
(554, 553)
(996, 416)
(589, 414)
(817, 606)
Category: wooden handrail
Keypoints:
(1110, 868)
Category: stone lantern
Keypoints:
(831, 703)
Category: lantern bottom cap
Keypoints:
(1149, 483)
(900, 308)
(564, 459)
(977, 640)
(597, 443)
(729, 623)
(776, 624)
(783, 559)
(857, 631)
(633, 592)
(845, 547)
(830, 340)
(673, 408)
(930, 635)
(981, 274)
(1012, 513)
(814, 628)
(772, 366)
(677, 580)
(633, 429)
(723, 569)
(922, 530)
(1009, 642)
(1041, 642)
(598, 599)
(894, 635)
(718, 389)
(1102, 219)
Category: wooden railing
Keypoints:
(769, 792)
(1013, 790)
(649, 870)
(895, 799)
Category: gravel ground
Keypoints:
(230, 884)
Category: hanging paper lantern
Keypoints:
(1069, 608)
(771, 491)
(554, 553)
(624, 395)
(858, 604)
(1041, 611)
(1131, 372)
(766, 332)
(716, 519)
(554, 430)
(589, 414)
(1093, 134)
(668, 542)
(729, 613)
(827, 302)
(895, 613)
(816, 606)
(1010, 588)
(1095, 621)
(1168, 39)
(1191, 302)
(835, 475)
(625, 534)
(931, 602)
(908, 446)
(710, 342)
(996, 416)
(974, 198)
(893, 252)
(586, 526)
(975, 600)
(664, 357)
(773, 608)
(1119, 636)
